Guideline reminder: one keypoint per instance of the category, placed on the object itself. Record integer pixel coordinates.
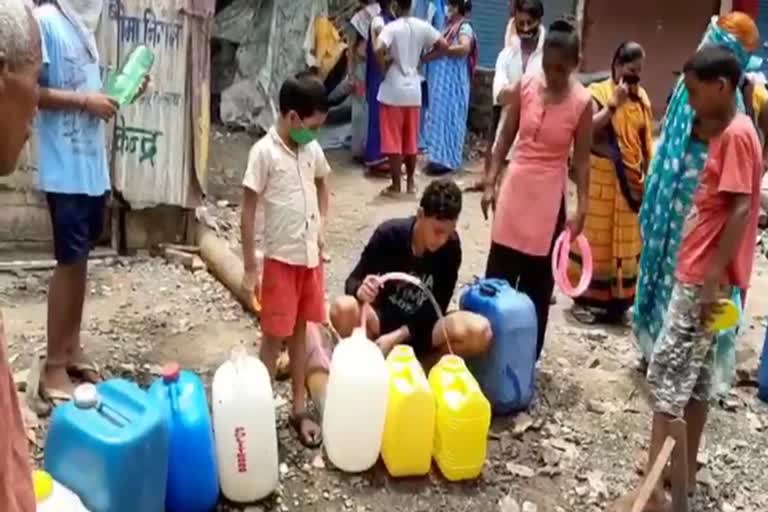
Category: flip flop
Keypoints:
(583, 315)
(56, 396)
(297, 421)
(40, 398)
(475, 187)
(80, 370)
(283, 366)
(391, 193)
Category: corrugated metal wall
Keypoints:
(490, 17)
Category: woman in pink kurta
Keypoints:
(549, 114)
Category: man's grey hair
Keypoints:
(15, 31)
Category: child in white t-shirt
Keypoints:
(400, 48)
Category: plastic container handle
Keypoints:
(560, 264)
(488, 290)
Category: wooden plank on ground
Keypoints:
(652, 480)
(679, 477)
(47, 264)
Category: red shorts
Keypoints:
(399, 130)
(290, 293)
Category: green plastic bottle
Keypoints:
(124, 86)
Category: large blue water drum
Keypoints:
(507, 373)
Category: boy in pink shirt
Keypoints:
(716, 253)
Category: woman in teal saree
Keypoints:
(672, 181)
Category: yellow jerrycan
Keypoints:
(463, 420)
(409, 429)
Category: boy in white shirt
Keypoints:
(287, 170)
(400, 48)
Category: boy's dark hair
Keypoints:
(533, 8)
(464, 6)
(404, 5)
(441, 200)
(304, 94)
(714, 62)
(562, 36)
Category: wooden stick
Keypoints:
(225, 266)
(31, 265)
(679, 477)
(192, 249)
(652, 481)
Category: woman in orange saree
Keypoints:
(621, 152)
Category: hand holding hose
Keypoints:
(369, 289)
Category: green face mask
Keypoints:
(302, 136)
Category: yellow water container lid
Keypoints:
(43, 483)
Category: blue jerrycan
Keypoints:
(109, 445)
(193, 481)
(507, 373)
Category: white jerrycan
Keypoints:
(51, 496)
(245, 428)
(356, 403)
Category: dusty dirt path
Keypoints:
(574, 452)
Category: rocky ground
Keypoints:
(575, 450)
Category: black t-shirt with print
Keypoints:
(398, 303)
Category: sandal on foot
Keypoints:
(56, 396)
(283, 366)
(40, 397)
(86, 371)
(391, 192)
(308, 437)
(478, 186)
(583, 315)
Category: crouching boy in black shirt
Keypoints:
(425, 246)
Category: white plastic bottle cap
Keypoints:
(86, 396)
